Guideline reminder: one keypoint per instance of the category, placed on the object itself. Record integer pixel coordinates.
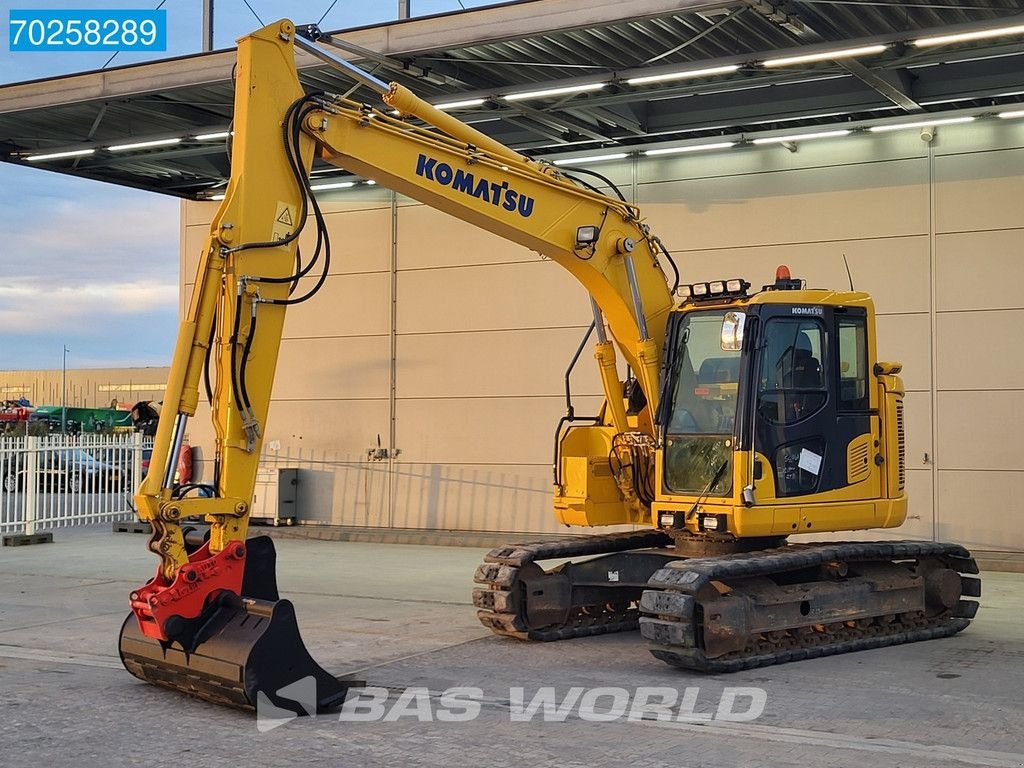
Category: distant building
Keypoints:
(86, 388)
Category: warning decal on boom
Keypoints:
(284, 221)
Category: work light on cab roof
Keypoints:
(714, 291)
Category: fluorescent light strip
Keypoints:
(807, 58)
(798, 117)
(947, 101)
(459, 104)
(213, 136)
(983, 58)
(333, 185)
(747, 88)
(560, 146)
(963, 37)
(1014, 113)
(731, 90)
(59, 155)
(691, 148)
(684, 75)
(216, 197)
(814, 79)
(816, 117)
(591, 159)
(143, 145)
(920, 124)
(692, 130)
(970, 98)
(671, 96)
(802, 137)
(553, 92)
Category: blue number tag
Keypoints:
(87, 30)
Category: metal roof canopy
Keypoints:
(490, 52)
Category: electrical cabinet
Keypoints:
(276, 496)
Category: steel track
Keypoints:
(502, 609)
(673, 616)
(670, 617)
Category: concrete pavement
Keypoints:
(401, 617)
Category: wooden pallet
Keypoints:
(132, 526)
(23, 539)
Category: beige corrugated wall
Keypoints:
(86, 387)
(450, 343)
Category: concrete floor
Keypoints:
(400, 616)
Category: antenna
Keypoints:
(848, 275)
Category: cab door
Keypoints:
(812, 420)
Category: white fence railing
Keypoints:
(57, 481)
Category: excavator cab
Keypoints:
(769, 404)
(772, 419)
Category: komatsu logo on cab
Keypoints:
(482, 189)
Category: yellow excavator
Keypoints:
(746, 417)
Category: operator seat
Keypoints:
(806, 369)
(797, 367)
(804, 375)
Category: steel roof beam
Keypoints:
(893, 84)
(525, 123)
(613, 114)
(559, 121)
(401, 38)
(741, 79)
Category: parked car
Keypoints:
(67, 469)
(119, 457)
(11, 480)
(182, 473)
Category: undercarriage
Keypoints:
(728, 612)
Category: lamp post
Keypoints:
(64, 393)
(207, 25)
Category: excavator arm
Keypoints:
(233, 324)
(247, 270)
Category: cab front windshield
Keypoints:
(699, 432)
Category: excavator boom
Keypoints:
(205, 622)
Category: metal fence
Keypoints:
(62, 480)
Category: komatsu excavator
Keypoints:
(748, 417)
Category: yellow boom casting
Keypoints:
(746, 417)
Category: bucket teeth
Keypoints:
(253, 659)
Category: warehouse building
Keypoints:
(84, 388)
(422, 387)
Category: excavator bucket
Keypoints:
(249, 654)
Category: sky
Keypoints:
(94, 266)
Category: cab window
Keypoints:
(853, 363)
(792, 383)
(705, 382)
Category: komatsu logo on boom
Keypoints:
(482, 189)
